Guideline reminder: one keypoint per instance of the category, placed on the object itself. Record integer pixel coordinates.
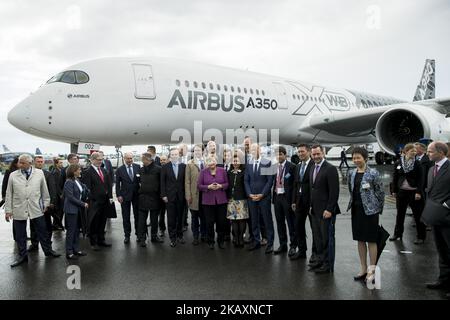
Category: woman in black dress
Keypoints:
(366, 203)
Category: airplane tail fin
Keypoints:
(38, 151)
(5, 149)
(426, 88)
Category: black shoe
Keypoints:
(173, 244)
(181, 240)
(221, 245)
(280, 249)
(395, 238)
(142, 244)
(126, 240)
(323, 269)
(298, 255)
(211, 246)
(19, 261)
(156, 239)
(360, 277)
(80, 253)
(312, 260)
(71, 257)
(33, 247)
(254, 247)
(269, 249)
(438, 285)
(292, 251)
(53, 254)
(104, 244)
(195, 242)
(314, 266)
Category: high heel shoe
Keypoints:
(370, 278)
(360, 277)
(395, 238)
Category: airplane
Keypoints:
(129, 101)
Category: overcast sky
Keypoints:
(374, 46)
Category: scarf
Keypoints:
(408, 165)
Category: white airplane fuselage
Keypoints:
(131, 101)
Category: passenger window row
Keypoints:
(218, 87)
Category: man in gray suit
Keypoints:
(439, 191)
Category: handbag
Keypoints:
(435, 214)
(111, 210)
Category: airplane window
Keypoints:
(211, 86)
(195, 84)
(293, 96)
(68, 77)
(257, 91)
(178, 83)
(239, 89)
(303, 97)
(263, 93)
(245, 90)
(56, 78)
(186, 83)
(225, 88)
(298, 97)
(81, 77)
(251, 91)
(218, 87)
(315, 99)
(232, 89)
(203, 85)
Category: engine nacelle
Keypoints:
(409, 123)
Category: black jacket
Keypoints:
(51, 186)
(325, 190)
(171, 187)
(150, 187)
(302, 200)
(439, 186)
(236, 185)
(100, 192)
(415, 177)
(425, 164)
(288, 177)
(125, 187)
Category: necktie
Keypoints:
(316, 171)
(100, 173)
(255, 166)
(302, 171)
(202, 166)
(27, 173)
(280, 178)
(435, 171)
(175, 170)
(130, 173)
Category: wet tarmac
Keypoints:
(196, 272)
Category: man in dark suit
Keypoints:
(172, 193)
(49, 179)
(258, 186)
(98, 181)
(425, 165)
(58, 211)
(301, 201)
(324, 188)
(152, 151)
(72, 158)
(107, 165)
(162, 212)
(127, 187)
(343, 159)
(247, 159)
(282, 201)
(149, 199)
(439, 191)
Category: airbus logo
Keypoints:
(213, 101)
(320, 99)
(70, 96)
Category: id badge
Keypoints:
(366, 185)
(280, 190)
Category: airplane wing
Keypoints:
(363, 122)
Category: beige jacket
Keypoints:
(191, 189)
(23, 197)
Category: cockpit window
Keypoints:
(71, 77)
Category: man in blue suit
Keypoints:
(127, 191)
(258, 186)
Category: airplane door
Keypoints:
(282, 95)
(143, 79)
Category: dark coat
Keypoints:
(288, 177)
(100, 192)
(325, 190)
(125, 187)
(149, 190)
(171, 187)
(304, 198)
(414, 177)
(73, 198)
(236, 185)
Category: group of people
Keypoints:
(230, 196)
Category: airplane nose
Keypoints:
(19, 116)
